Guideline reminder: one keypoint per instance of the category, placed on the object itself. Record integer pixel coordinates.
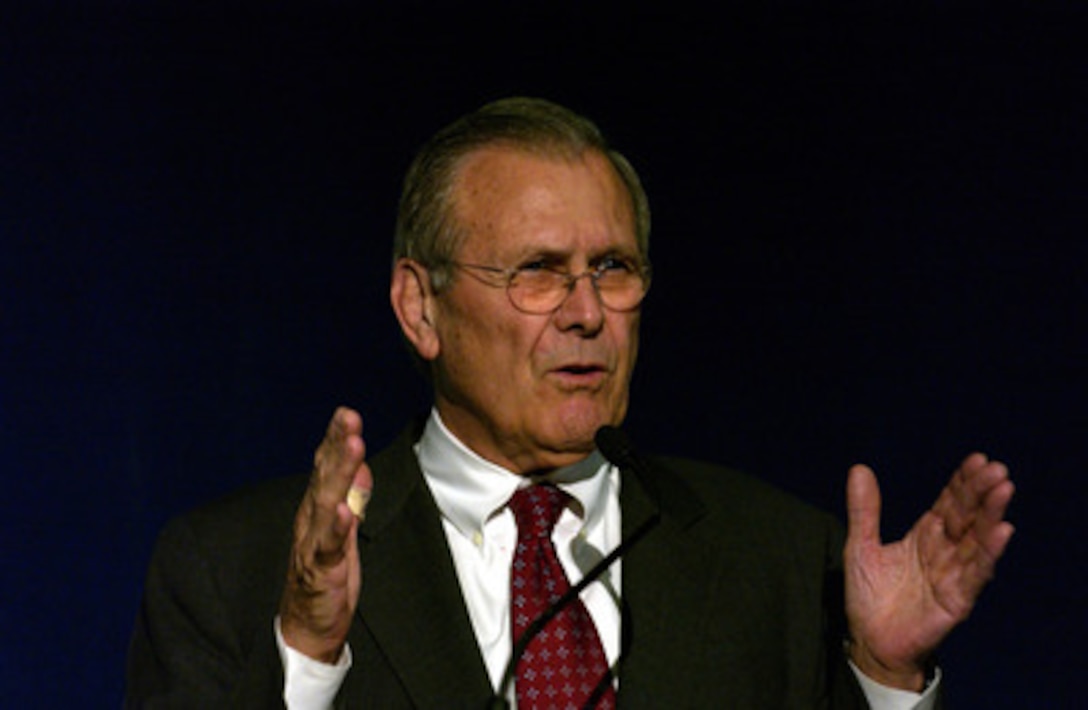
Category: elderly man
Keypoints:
(438, 573)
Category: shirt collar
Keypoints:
(469, 490)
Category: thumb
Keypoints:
(862, 505)
(362, 485)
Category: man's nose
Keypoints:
(582, 307)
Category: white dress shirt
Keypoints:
(471, 494)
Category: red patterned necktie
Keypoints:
(565, 662)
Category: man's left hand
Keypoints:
(903, 598)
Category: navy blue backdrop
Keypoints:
(869, 244)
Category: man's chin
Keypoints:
(578, 426)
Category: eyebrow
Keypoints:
(561, 255)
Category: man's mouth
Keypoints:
(581, 369)
(580, 374)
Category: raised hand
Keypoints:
(903, 598)
(323, 575)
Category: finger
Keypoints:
(960, 500)
(997, 541)
(340, 451)
(973, 565)
(996, 500)
(983, 533)
(327, 544)
(953, 509)
(979, 496)
(987, 479)
(862, 505)
(967, 563)
(992, 531)
(338, 459)
(973, 462)
(975, 478)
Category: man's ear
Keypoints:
(414, 303)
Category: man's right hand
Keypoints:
(323, 575)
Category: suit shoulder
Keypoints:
(244, 524)
(266, 501)
(226, 560)
(740, 496)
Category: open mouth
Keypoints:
(581, 369)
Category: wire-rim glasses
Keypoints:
(539, 289)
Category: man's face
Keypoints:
(529, 391)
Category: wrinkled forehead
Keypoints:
(509, 193)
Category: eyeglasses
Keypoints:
(537, 288)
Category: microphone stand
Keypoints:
(617, 450)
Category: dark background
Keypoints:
(869, 244)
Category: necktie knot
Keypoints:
(536, 509)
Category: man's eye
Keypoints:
(616, 264)
(534, 266)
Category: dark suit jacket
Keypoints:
(734, 599)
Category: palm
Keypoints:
(903, 598)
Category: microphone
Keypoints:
(616, 448)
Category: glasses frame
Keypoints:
(570, 281)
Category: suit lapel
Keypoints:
(412, 607)
(667, 585)
(411, 599)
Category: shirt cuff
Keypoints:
(882, 697)
(309, 684)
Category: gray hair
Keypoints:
(426, 230)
